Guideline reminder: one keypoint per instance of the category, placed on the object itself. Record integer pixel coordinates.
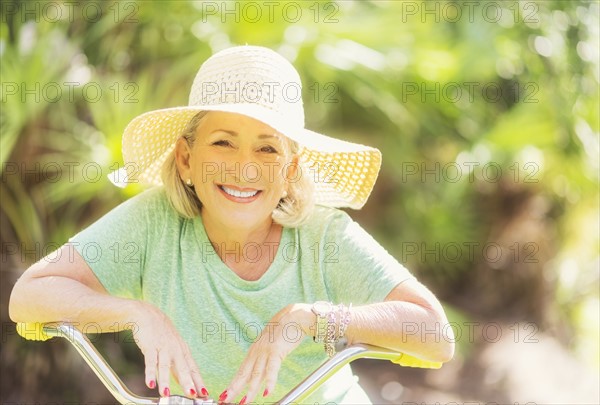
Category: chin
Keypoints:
(246, 219)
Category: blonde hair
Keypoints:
(291, 211)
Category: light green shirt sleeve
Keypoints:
(115, 246)
(357, 269)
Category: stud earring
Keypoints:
(189, 182)
(284, 195)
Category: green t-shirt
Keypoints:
(144, 250)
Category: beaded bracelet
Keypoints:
(334, 323)
(331, 324)
(344, 320)
(330, 337)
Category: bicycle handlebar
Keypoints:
(122, 394)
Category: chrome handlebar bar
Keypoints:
(310, 384)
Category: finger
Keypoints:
(164, 372)
(150, 360)
(243, 375)
(199, 384)
(184, 376)
(256, 379)
(195, 374)
(271, 373)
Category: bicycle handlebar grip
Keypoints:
(33, 331)
(410, 361)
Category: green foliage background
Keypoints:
(515, 93)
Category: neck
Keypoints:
(240, 244)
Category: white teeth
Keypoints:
(237, 193)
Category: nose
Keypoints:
(243, 167)
(250, 171)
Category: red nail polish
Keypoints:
(266, 392)
(243, 401)
(223, 396)
(151, 384)
(192, 392)
(166, 392)
(204, 392)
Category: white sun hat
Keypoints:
(261, 84)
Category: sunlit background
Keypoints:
(487, 116)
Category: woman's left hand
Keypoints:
(281, 336)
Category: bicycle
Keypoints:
(124, 396)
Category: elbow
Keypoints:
(442, 348)
(439, 349)
(14, 304)
(19, 303)
(444, 351)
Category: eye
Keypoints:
(222, 143)
(268, 149)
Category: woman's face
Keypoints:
(236, 165)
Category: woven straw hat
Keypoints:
(259, 83)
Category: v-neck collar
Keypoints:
(214, 263)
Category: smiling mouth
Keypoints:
(239, 193)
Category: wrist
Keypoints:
(140, 312)
(324, 324)
(331, 325)
(134, 312)
(305, 318)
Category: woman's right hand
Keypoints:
(68, 290)
(164, 352)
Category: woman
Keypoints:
(239, 253)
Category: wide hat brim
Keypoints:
(344, 173)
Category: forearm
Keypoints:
(61, 299)
(403, 326)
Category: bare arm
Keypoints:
(68, 291)
(411, 320)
